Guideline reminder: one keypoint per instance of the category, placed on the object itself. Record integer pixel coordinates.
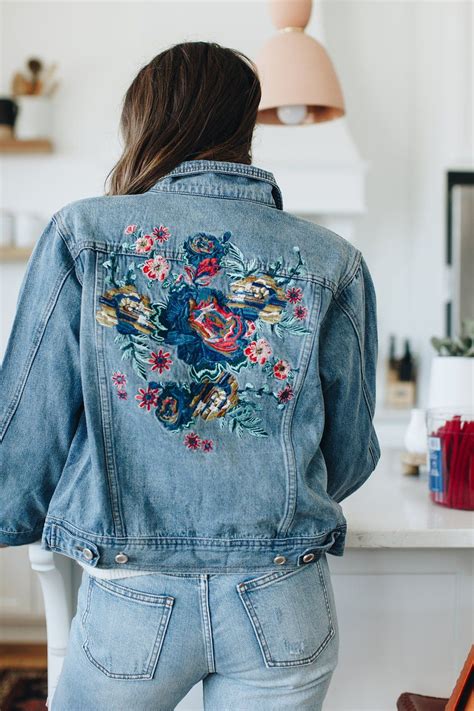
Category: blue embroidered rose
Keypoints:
(205, 246)
(173, 405)
(206, 331)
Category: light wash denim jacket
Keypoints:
(189, 383)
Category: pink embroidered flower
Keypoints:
(192, 441)
(122, 394)
(300, 312)
(251, 328)
(160, 361)
(144, 244)
(147, 398)
(207, 445)
(258, 351)
(119, 379)
(188, 274)
(130, 229)
(161, 233)
(156, 268)
(281, 369)
(286, 394)
(294, 294)
(206, 269)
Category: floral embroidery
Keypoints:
(147, 398)
(160, 361)
(120, 381)
(215, 333)
(281, 369)
(294, 294)
(258, 351)
(156, 268)
(300, 312)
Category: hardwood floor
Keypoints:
(23, 656)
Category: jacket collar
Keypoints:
(222, 179)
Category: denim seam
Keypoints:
(216, 196)
(144, 541)
(106, 417)
(59, 223)
(206, 622)
(117, 248)
(37, 338)
(288, 419)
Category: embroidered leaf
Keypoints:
(243, 418)
(235, 265)
(289, 324)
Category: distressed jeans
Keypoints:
(265, 641)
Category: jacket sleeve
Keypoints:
(40, 388)
(347, 365)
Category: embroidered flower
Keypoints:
(251, 328)
(258, 351)
(161, 233)
(192, 441)
(300, 312)
(160, 361)
(258, 297)
(286, 394)
(205, 246)
(206, 270)
(294, 294)
(126, 309)
(207, 445)
(281, 369)
(130, 229)
(215, 399)
(122, 394)
(119, 379)
(173, 406)
(144, 244)
(147, 398)
(156, 268)
(205, 330)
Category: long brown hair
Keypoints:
(195, 100)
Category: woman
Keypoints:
(187, 397)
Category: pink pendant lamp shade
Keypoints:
(295, 71)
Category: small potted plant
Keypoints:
(32, 91)
(452, 370)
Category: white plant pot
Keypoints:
(451, 383)
(34, 117)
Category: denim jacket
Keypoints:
(189, 383)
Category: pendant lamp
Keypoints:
(299, 83)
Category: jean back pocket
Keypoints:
(290, 613)
(124, 629)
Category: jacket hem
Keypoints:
(188, 553)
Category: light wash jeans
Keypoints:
(258, 641)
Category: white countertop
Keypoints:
(394, 510)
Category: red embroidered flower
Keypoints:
(147, 398)
(294, 294)
(300, 312)
(122, 394)
(156, 268)
(160, 361)
(281, 369)
(119, 379)
(206, 269)
(161, 233)
(286, 394)
(258, 351)
(144, 244)
(130, 229)
(251, 328)
(192, 441)
(207, 445)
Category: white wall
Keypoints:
(406, 72)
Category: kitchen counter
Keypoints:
(394, 510)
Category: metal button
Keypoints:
(121, 558)
(279, 559)
(308, 557)
(87, 553)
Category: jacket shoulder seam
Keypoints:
(74, 255)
